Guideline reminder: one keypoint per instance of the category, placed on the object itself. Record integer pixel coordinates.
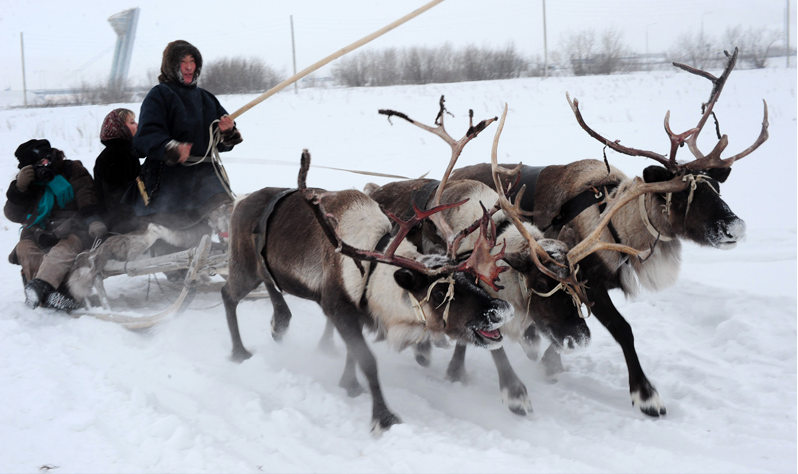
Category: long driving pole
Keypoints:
(332, 57)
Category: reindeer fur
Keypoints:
(709, 222)
(304, 263)
(556, 317)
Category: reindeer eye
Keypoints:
(542, 285)
(438, 296)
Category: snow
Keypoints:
(83, 395)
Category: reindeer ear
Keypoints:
(719, 174)
(568, 237)
(518, 261)
(408, 279)
(655, 174)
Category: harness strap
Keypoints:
(641, 205)
(261, 227)
(582, 201)
(381, 245)
(420, 197)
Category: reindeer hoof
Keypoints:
(422, 360)
(517, 399)
(352, 389)
(647, 399)
(456, 374)
(240, 355)
(384, 422)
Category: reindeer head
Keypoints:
(696, 212)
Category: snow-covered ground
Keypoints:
(83, 395)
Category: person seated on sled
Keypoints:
(176, 188)
(116, 168)
(56, 202)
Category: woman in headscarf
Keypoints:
(116, 168)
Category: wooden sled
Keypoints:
(201, 263)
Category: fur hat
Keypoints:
(32, 151)
(170, 64)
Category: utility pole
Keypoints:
(787, 34)
(24, 86)
(545, 46)
(293, 51)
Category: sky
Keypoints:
(69, 42)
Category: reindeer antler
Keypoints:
(701, 162)
(592, 242)
(457, 148)
(329, 224)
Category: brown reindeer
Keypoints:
(539, 268)
(310, 244)
(539, 308)
(573, 197)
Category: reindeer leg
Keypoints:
(456, 372)
(281, 315)
(326, 343)
(349, 328)
(552, 362)
(531, 342)
(643, 393)
(231, 297)
(423, 353)
(513, 390)
(349, 378)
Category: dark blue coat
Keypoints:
(183, 113)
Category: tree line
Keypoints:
(580, 53)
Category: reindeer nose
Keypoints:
(501, 312)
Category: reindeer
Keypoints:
(310, 243)
(573, 197)
(523, 285)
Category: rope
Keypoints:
(420, 316)
(214, 138)
(694, 181)
(525, 289)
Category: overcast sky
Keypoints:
(69, 41)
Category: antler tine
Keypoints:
(616, 145)
(713, 160)
(717, 88)
(538, 254)
(593, 242)
(457, 148)
(481, 262)
(329, 225)
(418, 216)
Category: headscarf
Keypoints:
(114, 127)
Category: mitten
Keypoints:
(25, 177)
(97, 229)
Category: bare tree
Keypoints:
(589, 54)
(695, 49)
(423, 65)
(100, 93)
(238, 76)
(612, 52)
(754, 43)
